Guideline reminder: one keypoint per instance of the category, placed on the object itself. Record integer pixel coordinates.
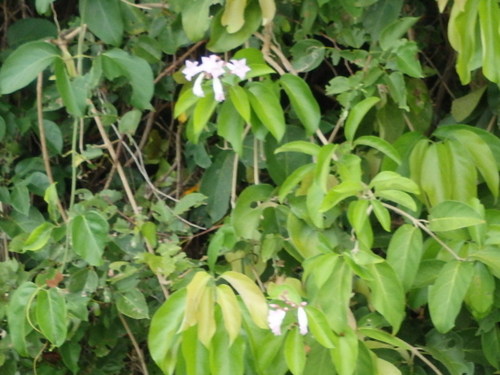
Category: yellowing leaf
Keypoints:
(230, 311)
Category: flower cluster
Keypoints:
(277, 314)
(213, 67)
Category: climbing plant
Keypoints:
(249, 187)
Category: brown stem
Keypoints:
(136, 346)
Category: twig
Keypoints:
(43, 142)
(234, 181)
(419, 224)
(491, 124)
(148, 6)
(169, 69)
(338, 125)
(137, 349)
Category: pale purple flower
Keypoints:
(238, 67)
(275, 319)
(192, 68)
(302, 319)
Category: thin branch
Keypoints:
(43, 142)
(136, 346)
(169, 69)
(418, 223)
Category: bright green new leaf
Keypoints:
(451, 215)
(186, 100)
(268, 9)
(448, 292)
(266, 105)
(39, 237)
(382, 214)
(205, 316)
(381, 145)
(357, 114)
(239, 98)
(295, 354)
(230, 126)
(194, 353)
(230, 311)
(138, 73)
(314, 199)
(324, 166)
(294, 179)
(386, 368)
(300, 146)
(489, 19)
(388, 295)
(203, 110)
(17, 311)
(489, 256)
(163, 338)
(24, 64)
(131, 302)
(51, 315)
(302, 100)
(232, 17)
(320, 328)
(399, 197)
(407, 60)
(405, 252)
(195, 291)
(340, 192)
(227, 358)
(251, 295)
(345, 354)
(388, 180)
(89, 233)
(104, 19)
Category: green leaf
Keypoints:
(255, 61)
(163, 340)
(345, 354)
(246, 217)
(266, 105)
(39, 237)
(230, 311)
(131, 302)
(89, 232)
(232, 17)
(195, 354)
(230, 126)
(205, 316)
(129, 122)
(489, 19)
(382, 214)
(138, 73)
(307, 54)
(20, 199)
(51, 315)
(104, 19)
(294, 179)
(203, 110)
(387, 293)
(300, 146)
(448, 292)
(340, 192)
(268, 8)
(239, 98)
(24, 64)
(195, 291)
(251, 295)
(489, 256)
(324, 165)
(216, 184)
(407, 60)
(320, 329)
(490, 342)
(73, 93)
(381, 145)
(295, 354)
(480, 296)
(195, 18)
(221, 40)
(186, 100)
(393, 32)
(302, 100)
(462, 107)
(17, 310)
(396, 196)
(227, 358)
(356, 115)
(451, 215)
(405, 252)
(388, 180)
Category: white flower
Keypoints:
(275, 319)
(197, 89)
(213, 66)
(302, 318)
(192, 68)
(218, 89)
(238, 67)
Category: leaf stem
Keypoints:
(418, 223)
(136, 346)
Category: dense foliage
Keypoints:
(249, 187)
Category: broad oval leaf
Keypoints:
(303, 102)
(104, 19)
(357, 114)
(448, 292)
(381, 145)
(132, 303)
(295, 354)
(266, 104)
(51, 315)
(163, 340)
(451, 215)
(24, 64)
(203, 110)
(480, 296)
(89, 232)
(320, 328)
